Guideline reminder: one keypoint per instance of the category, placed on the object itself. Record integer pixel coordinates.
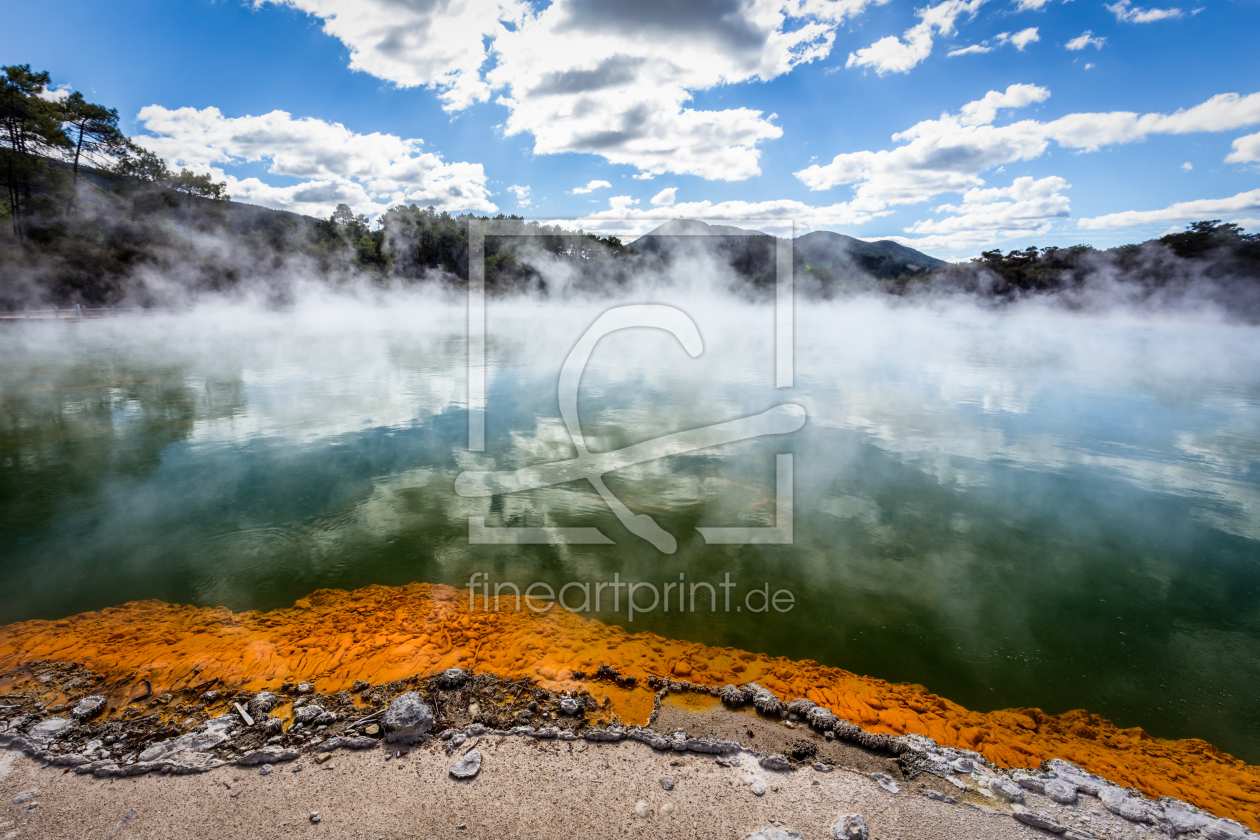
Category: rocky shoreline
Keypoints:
(206, 727)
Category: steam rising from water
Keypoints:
(1025, 507)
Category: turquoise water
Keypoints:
(1024, 508)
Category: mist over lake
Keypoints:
(1015, 508)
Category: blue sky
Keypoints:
(719, 108)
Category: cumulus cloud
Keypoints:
(665, 197)
(948, 154)
(1028, 206)
(1184, 211)
(1126, 12)
(612, 79)
(623, 216)
(55, 94)
(333, 164)
(1086, 39)
(1188, 166)
(1030, 5)
(1019, 40)
(1245, 150)
(522, 195)
(435, 45)
(590, 187)
(900, 55)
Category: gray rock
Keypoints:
(763, 699)
(1085, 781)
(314, 817)
(1225, 830)
(274, 725)
(821, 767)
(776, 762)
(24, 797)
(305, 688)
(46, 730)
(937, 796)
(710, 746)
(262, 704)
(732, 696)
(1006, 789)
(452, 678)
(307, 715)
(468, 765)
(801, 707)
(1184, 818)
(612, 734)
(1042, 821)
(850, 827)
(570, 705)
(408, 719)
(758, 787)
(1119, 802)
(821, 718)
(267, 755)
(265, 770)
(772, 832)
(1028, 781)
(886, 782)
(1061, 791)
(667, 784)
(89, 707)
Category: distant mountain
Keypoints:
(828, 257)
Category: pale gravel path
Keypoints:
(526, 789)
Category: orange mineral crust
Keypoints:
(380, 634)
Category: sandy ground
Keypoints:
(525, 789)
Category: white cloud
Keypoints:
(894, 55)
(623, 215)
(522, 195)
(949, 153)
(1126, 12)
(1185, 211)
(1025, 37)
(590, 187)
(1188, 166)
(644, 176)
(665, 197)
(55, 94)
(1245, 150)
(612, 78)
(1028, 206)
(1085, 39)
(370, 172)
(1030, 5)
(437, 45)
(1019, 40)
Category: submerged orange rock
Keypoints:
(380, 634)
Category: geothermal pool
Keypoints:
(1018, 508)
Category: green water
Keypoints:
(1020, 509)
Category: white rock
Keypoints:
(642, 808)
(469, 765)
(886, 782)
(850, 827)
(1061, 791)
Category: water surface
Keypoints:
(1015, 509)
